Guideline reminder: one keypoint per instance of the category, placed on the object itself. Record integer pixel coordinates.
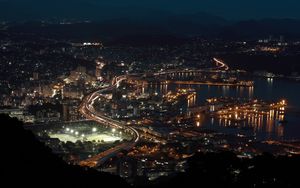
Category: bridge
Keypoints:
(220, 66)
(241, 84)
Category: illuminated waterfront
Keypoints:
(261, 126)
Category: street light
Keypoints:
(94, 129)
(113, 130)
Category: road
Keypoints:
(87, 110)
(220, 66)
(246, 84)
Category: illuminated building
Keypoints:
(35, 76)
(98, 72)
(127, 167)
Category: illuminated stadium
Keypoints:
(74, 134)
(86, 131)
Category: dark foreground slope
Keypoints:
(28, 162)
(225, 169)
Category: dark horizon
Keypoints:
(100, 10)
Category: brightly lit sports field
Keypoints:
(86, 132)
(64, 137)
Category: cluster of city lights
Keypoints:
(94, 129)
(72, 131)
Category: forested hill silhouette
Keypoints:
(27, 162)
(225, 169)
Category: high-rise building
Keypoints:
(35, 76)
(127, 167)
(281, 38)
(65, 112)
(270, 38)
(99, 67)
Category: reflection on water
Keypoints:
(270, 124)
(264, 126)
(251, 91)
(270, 81)
(164, 88)
(192, 101)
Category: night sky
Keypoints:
(229, 9)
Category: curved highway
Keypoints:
(87, 110)
(221, 64)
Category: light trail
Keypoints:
(222, 64)
(87, 110)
